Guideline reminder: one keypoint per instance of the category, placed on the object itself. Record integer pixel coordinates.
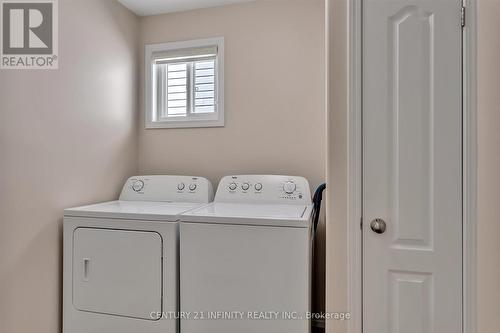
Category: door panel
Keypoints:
(410, 59)
(410, 302)
(412, 174)
(117, 272)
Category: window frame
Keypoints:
(192, 120)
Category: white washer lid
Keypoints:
(251, 214)
(133, 210)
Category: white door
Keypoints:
(412, 174)
(117, 272)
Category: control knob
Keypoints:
(181, 186)
(233, 186)
(258, 187)
(192, 187)
(138, 185)
(245, 186)
(289, 187)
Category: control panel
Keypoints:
(168, 188)
(264, 189)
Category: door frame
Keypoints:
(355, 160)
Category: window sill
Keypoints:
(185, 124)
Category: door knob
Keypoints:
(378, 226)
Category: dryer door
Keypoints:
(117, 272)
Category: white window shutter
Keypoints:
(204, 86)
(177, 89)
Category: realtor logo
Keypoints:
(29, 34)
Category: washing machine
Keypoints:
(121, 257)
(245, 259)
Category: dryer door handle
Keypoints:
(86, 269)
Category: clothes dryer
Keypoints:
(121, 257)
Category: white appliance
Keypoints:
(121, 257)
(245, 258)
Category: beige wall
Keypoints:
(67, 137)
(337, 172)
(488, 263)
(274, 89)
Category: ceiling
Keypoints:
(154, 7)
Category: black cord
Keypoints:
(317, 198)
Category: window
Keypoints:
(184, 84)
